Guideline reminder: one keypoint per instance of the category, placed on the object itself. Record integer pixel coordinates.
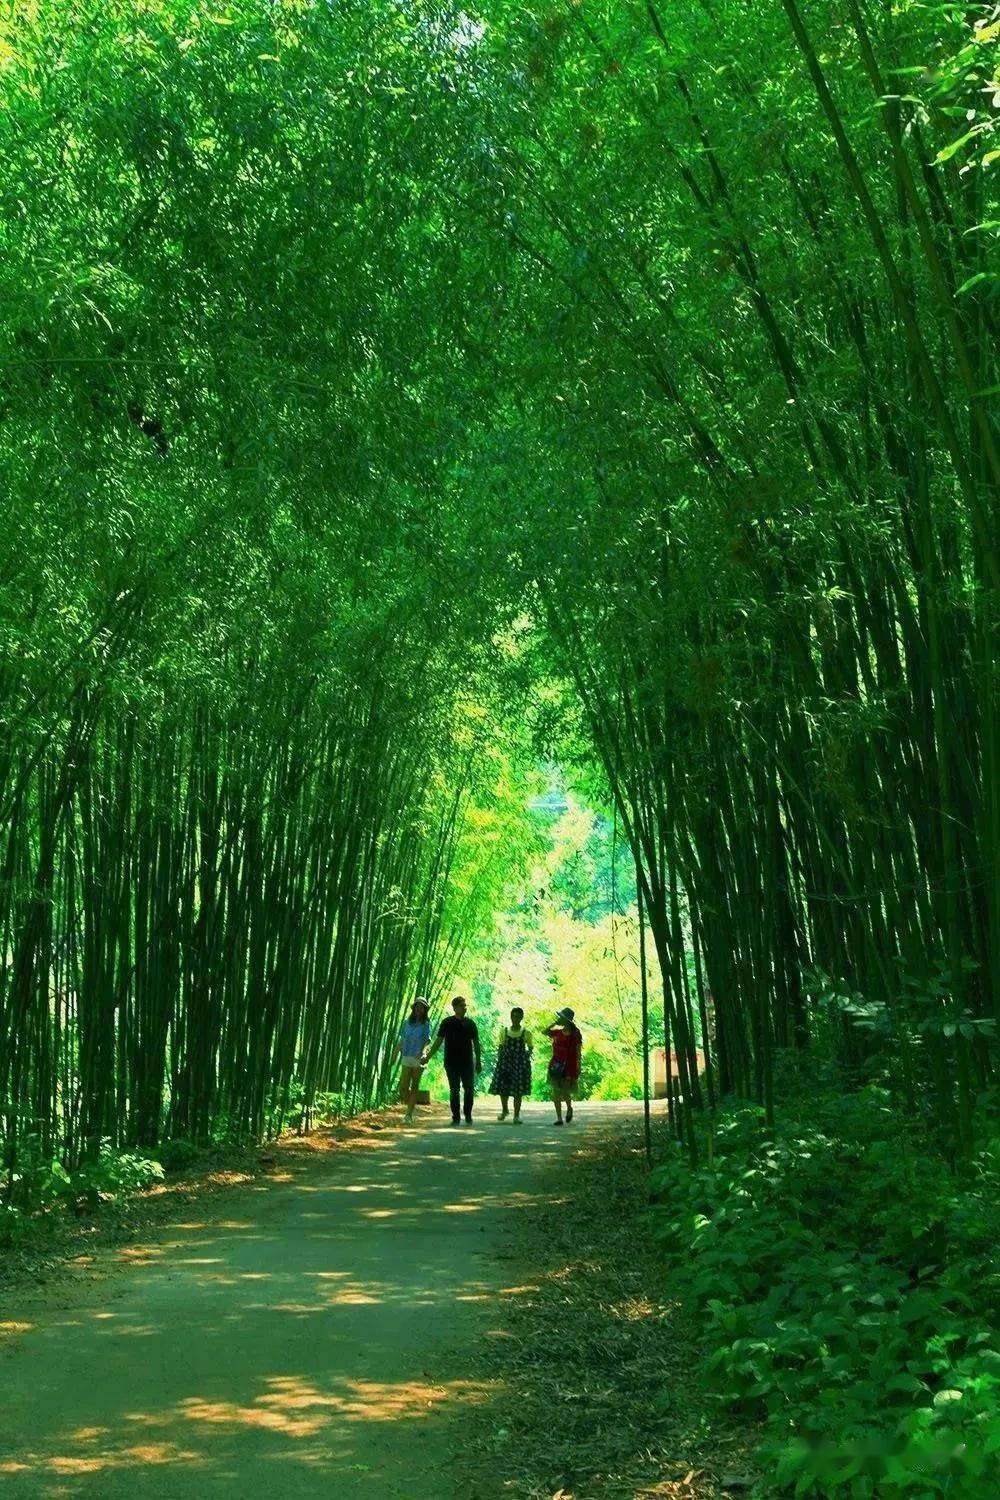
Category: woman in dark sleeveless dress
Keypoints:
(512, 1074)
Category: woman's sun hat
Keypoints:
(566, 1014)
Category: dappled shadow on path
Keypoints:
(318, 1335)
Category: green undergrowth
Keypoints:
(43, 1188)
(848, 1286)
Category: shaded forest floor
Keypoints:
(599, 1393)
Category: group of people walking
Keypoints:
(458, 1034)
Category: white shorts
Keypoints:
(411, 1062)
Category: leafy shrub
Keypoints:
(42, 1182)
(608, 1070)
(848, 1286)
(328, 1108)
(176, 1155)
(114, 1173)
(616, 1082)
(39, 1180)
(14, 1226)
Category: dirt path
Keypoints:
(306, 1339)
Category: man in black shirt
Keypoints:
(462, 1057)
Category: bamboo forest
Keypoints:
(501, 501)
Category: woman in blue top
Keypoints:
(414, 1039)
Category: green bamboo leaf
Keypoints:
(976, 280)
(952, 149)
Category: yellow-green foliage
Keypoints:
(549, 949)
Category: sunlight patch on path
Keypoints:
(319, 1334)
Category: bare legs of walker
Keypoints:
(504, 1101)
(562, 1093)
(409, 1087)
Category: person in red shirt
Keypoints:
(564, 1068)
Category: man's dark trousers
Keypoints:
(461, 1076)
